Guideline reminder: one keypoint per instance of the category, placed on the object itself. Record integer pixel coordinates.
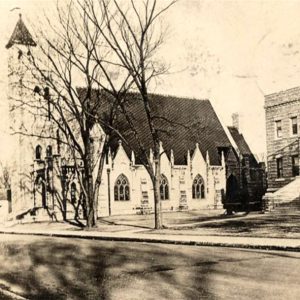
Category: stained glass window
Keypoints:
(198, 188)
(121, 189)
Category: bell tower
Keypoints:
(20, 81)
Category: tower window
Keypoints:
(20, 53)
(36, 89)
(49, 151)
(38, 152)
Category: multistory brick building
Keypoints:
(282, 129)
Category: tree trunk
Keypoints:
(91, 222)
(99, 178)
(90, 209)
(156, 190)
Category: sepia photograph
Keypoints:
(149, 149)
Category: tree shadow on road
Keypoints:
(62, 269)
(56, 271)
(59, 268)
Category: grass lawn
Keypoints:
(273, 225)
(269, 225)
(205, 222)
(169, 218)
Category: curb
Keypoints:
(11, 295)
(161, 241)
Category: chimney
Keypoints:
(235, 120)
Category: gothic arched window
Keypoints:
(198, 188)
(121, 189)
(164, 188)
(38, 152)
(49, 151)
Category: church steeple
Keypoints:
(21, 35)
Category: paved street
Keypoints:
(59, 268)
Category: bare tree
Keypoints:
(133, 33)
(110, 48)
(65, 60)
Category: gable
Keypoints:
(121, 157)
(240, 141)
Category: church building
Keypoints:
(204, 165)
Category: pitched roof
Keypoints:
(240, 141)
(181, 122)
(21, 35)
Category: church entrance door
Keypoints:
(40, 193)
(232, 189)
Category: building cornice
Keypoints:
(268, 107)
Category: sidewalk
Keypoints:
(131, 234)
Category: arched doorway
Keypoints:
(232, 189)
(40, 192)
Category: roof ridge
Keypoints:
(159, 94)
(178, 97)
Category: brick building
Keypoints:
(282, 128)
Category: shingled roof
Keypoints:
(21, 35)
(182, 122)
(239, 140)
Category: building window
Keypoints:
(294, 122)
(295, 165)
(121, 189)
(278, 126)
(164, 188)
(198, 188)
(38, 152)
(49, 151)
(73, 192)
(279, 167)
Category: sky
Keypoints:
(231, 52)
